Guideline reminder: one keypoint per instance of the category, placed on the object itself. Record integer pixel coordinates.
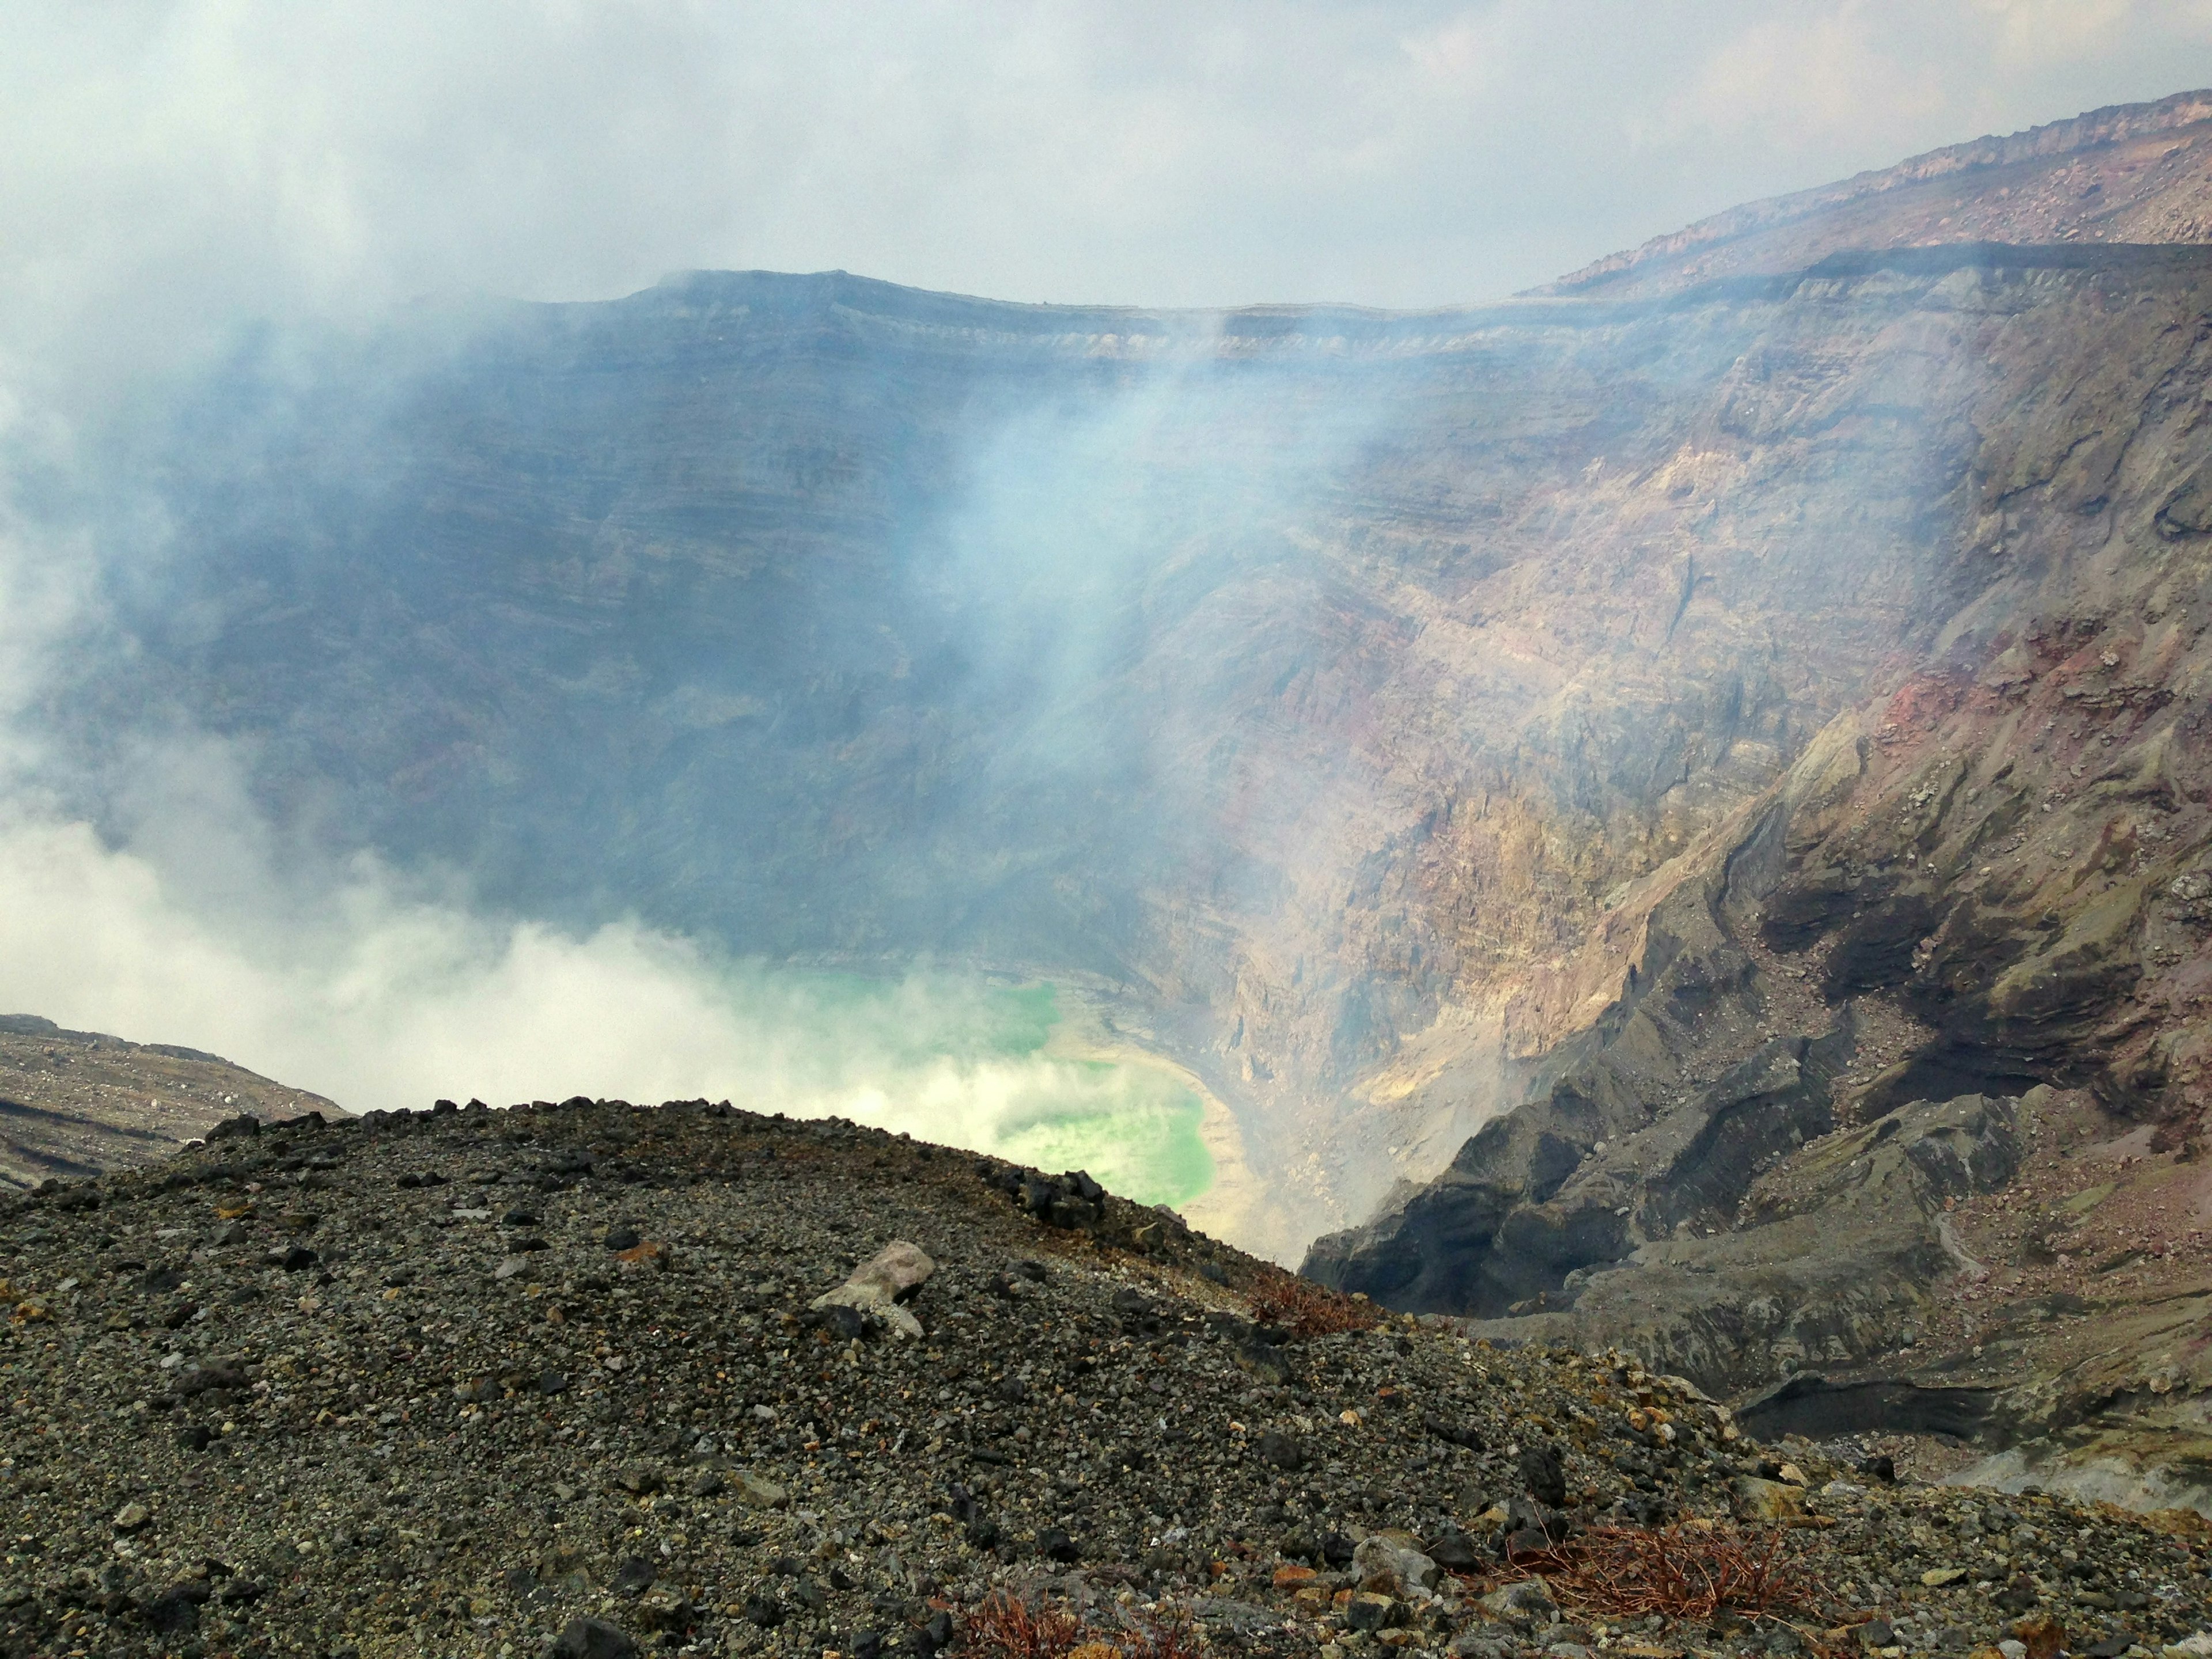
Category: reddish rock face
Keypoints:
(1813, 1099)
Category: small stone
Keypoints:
(639, 1479)
(1544, 1471)
(1396, 1558)
(664, 1608)
(1054, 1545)
(707, 1483)
(591, 1638)
(652, 1253)
(176, 1610)
(1454, 1552)
(759, 1493)
(622, 1237)
(1937, 1578)
(1528, 1598)
(1370, 1611)
(1753, 1499)
(518, 1218)
(764, 1610)
(132, 1517)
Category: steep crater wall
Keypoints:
(1329, 680)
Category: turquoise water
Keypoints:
(971, 1064)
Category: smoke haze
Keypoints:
(219, 212)
(381, 1000)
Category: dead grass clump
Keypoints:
(1681, 1572)
(1305, 1309)
(1007, 1627)
(1004, 1628)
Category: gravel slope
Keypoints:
(448, 1383)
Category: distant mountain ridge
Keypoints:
(2132, 172)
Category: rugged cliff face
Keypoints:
(1367, 695)
(1998, 859)
(1900, 1072)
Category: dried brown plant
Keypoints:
(1305, 1309)
(1008, 1627)
(1689, 1571)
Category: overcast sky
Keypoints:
(201, 160)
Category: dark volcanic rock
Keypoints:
(591, 1638)
(422, 1489)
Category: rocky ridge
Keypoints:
(580, 1379)
(74, 1103)
(2134, 173)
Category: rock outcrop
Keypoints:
(1988, 883)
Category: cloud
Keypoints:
(379, 997)
(167, 167)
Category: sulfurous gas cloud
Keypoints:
(413, 692)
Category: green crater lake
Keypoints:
(991, 1068)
